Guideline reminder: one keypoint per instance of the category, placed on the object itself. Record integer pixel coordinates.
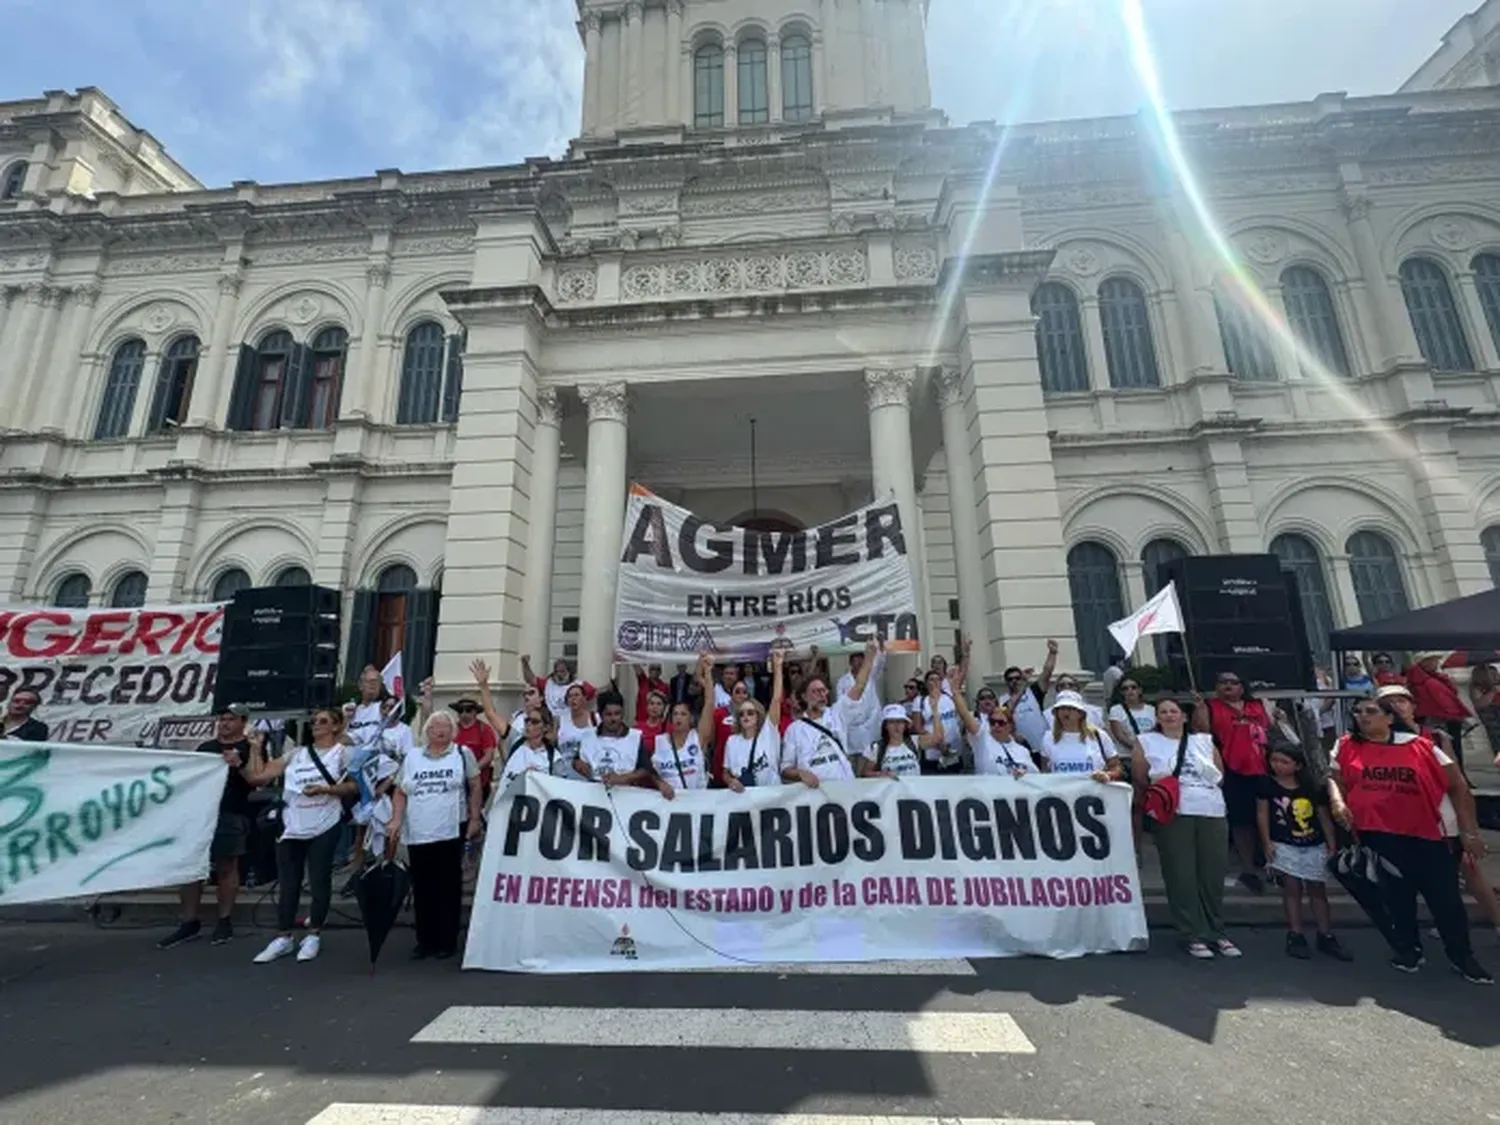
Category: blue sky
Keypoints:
(277, 90)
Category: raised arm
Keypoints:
(527, 675)
(262, 770)
(773, 713)
(481, 673)
(966, 718)
(872, 649)
(1048, 667)
(964, 648)
(929, 739)
(706, 716)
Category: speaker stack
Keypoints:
(1243, 614)
(280, 651)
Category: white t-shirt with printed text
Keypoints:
(682, 767)
(993, 758)
(437, 792)
(767, 756)
(900, 759)
(1076, 753)
(1200, 780)
(304, 817)
(809, 748)
(1144, 715)
(953, 737)
(610, 753)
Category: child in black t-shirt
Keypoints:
(1296, 832)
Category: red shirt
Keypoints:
(723, 728)
(1384, 678)
(1240, 735)
(477, 738)
(1435, 696)
(1392, 787)
(649, 731)
(643, 688)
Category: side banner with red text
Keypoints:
(113, 675)
(579, 878)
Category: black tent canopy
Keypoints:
(1471, 623)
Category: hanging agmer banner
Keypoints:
(688, 586)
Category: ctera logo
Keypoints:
(877, 627)
(664, 636)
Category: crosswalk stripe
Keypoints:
(957, 967)
(985, 1033)
(347, 1113)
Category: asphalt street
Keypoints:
(99, 1026)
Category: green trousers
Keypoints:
(1194, 854)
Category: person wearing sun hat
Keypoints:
(894, 753)
(1438, 703)
(1075, 744)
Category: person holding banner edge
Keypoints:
(815, 744)
(613, 753)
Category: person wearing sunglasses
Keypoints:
(1240, 727)
(480, 739)
(1026, 695)
(1390, 793)
(534, 750)
(992, 738)
(1129, 718)
(680, 759)
(752, 754)
(315, 782)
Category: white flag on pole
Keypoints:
(395, 682)
(1161, 614)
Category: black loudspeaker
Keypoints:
(1243, 615)
(280, 651)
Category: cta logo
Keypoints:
(877, 627)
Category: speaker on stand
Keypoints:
(280, 650)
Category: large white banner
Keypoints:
(114, 675)
(92, 820)
(577, 878)
(687, 586)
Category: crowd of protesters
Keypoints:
(1227, 779)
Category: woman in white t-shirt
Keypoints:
(752, 754)
(573, 724)
(438, 790)
(315, 781)
(1194, 857)
(895, 753)
(1130, 718)
(992, 739)
(1075, 745)
(943, 737)
(535, 750)
(680, 758)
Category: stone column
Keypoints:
(176, 536)
(1195, 307)
(676, 50)
(1093, 341)
(1486, 348)
(1019, 522)
(371, 394)
(1446, 503)
(731, 84)
(820, 74)
(1229, 495)
(603, 525)
(210, 399)
(591, 74)
(973, 604)
(1396, 340)
(773, 76)
(635, 18)
(536, 588)
(1346, 601)
(342, 496)
(34, 359)
(20, 530)
(622, 73)
(63, 383)
(892, 472)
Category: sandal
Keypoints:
(1227, 948)
(1199, 950)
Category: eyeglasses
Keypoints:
(322, 719)
(533, 721)
(748, 713)
(1370, 710)
(999, 722)
(466, 709)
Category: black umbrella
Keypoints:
(381, 893)
(1366, 875)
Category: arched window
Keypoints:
(421, 374)
(796, 78)
(1490, 541)
(708, 86)
(1094, 583)
(1060, 349)
(273, 357)
(73, 592)
(1299, 555)
(119, 390)
(392, 600)
(1434, 316)
(753, 89)
(1155, 557)
(129, 590)
(228, 584)
(1247, 351)
(15, 180)
(1487, 280)
(1128, 347)
(328, 350)
(1378, 586)
(292, 576)
(174, 385)
(1311, 316)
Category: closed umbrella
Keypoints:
(381, 893)
(1365, 875)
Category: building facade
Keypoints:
(430, 389)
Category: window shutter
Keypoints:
(242, 397)
(453, 379)
(360, 647)
(420, 644)
(297, 393)
(157, 419)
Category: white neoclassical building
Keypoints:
(413, 382)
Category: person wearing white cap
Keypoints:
(1076, 745)
(894, 753)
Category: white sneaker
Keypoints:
(309, 947)
(280, 946)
